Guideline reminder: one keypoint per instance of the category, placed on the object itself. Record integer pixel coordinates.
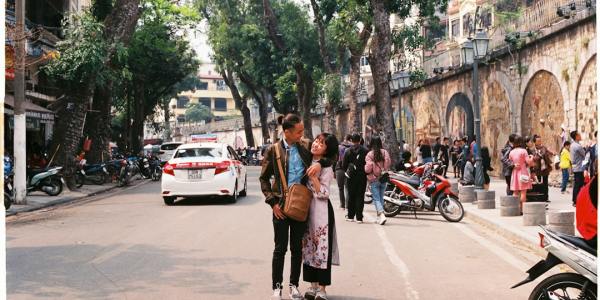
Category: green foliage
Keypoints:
(417, 76)
(285, 100)
(83, 53)
(196, 112)
(332, 88)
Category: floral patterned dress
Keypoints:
(315, 244)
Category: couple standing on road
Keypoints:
(313, 241)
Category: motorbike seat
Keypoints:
(578, 242)
(412, 180)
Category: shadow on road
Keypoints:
(215, 200)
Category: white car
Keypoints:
(203, 169)
(167, 149)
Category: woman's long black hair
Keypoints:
(376, 147)
(331, 143)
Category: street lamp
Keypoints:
(472, 52)
(363, 97)
(399, 81)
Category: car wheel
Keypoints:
(233, 198)
(169, 200)
(244, 192)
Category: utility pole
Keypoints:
(19, 117)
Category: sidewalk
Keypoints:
(38, 200)
(512, 227)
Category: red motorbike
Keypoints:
(434, 191)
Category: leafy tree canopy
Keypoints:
(196, 112)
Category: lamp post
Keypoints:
(472, 52)
(399, 81)
(363, 97)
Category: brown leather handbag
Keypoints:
(296, 198)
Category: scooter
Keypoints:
(435, 191)
(48, 180)
(155, 169)
(124, 173)
(9, 190)
(95, 173)
(575, 253)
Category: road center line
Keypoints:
(503, 254)
(389, 249)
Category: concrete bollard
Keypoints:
(454, 187)
(562, 221)
(486, 199)
(466, 194)
(534, 213)
(509, 206)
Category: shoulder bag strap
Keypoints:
(281, 175)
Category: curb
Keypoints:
(518, 237)
(68, 199)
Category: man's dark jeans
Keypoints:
(577, 185)
(356, 197)
(287, 229)
(341, 182)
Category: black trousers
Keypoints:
(341, 182)
(356, 197)
(543, 186)
(322, 276)
(292, 231)
(578, 183)
(508, 191)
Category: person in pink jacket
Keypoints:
(377, 162)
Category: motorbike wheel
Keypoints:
(79, 179)
(7, 201)
(450, 208)
(564, 286)
(101, 179)
(56, 185)
(391, 209)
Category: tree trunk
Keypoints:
(241, 104)
(97, 125)
(356, 52)
(167, 131)
(305, 87)
(379, 60)
(137, 132)
(264, 115)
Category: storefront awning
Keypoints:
(31, 110)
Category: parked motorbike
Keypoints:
(144, 166)
(95, 173)
(134, 166)
(124, 173)
(575, 253)
(155, 169)
(47, 180)
(9, 190)
(432, 191)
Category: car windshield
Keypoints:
(169, 146)
(199, 152)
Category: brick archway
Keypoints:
(461, 101)
(542, 111)
(585, 101)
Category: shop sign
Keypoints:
(32, 124)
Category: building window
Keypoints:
(203, 86)
(220, 104)
(455, 29)
(221, 86)
(364, 61)
(467, 24)
(182, 101)
(180, 118)
(204, 101)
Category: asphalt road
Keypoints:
(132, 246)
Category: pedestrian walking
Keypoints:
(507, 165)
(593, 154)
(444, 155)
(543, 159)
(339, 170)
(319, 245)
(454, 154)
(577, 160)
(565, 165)
(521, 177)
(466, 154)
(295, 156)
(418, 152)
(426, 151)
(378, 162)
(436, 148)
(356, 179)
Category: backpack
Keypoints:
(341, 152)
(352, 166)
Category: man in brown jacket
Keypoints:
(296, 161)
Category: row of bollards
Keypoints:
(534, 213)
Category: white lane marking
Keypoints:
(389, 249)
(503, 254)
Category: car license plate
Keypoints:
(194, 174)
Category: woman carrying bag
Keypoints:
(521, 176)
(378, 163)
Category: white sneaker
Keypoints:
(321, 295)
(348, 219)
(359, 222)
(381, 219)
(276, 293)
(295, 293)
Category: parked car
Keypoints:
(202, 169)
(167, 149)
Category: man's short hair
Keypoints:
(535, 137)
(356, 138)
(574, 134)
(512, 137)
(348, 137)
(289, 121)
